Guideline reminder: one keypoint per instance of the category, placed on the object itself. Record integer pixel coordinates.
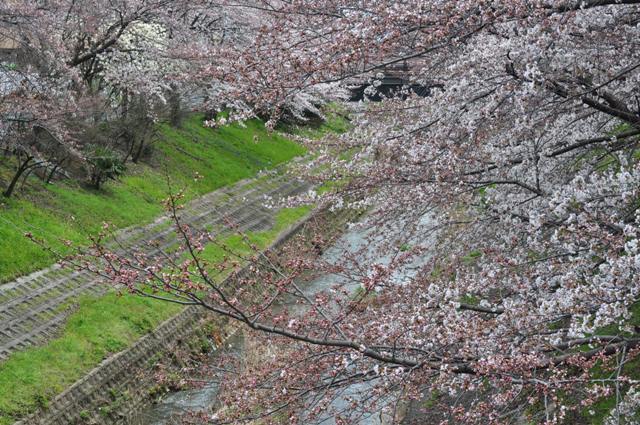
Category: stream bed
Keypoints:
(360, 239)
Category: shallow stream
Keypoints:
(365, 241)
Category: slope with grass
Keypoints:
(69, 211)
(35, 306)
(102, 325)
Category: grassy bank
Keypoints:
(69, 211)
(100, 327)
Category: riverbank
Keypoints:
(253, 349)
(69, 211)
(125, 382)
(71, 325)
(97, 325)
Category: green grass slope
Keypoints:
(102, 326)
(69, 211)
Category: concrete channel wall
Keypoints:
(121, 384)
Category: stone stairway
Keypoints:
(34, 307)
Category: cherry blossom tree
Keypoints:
(32, 130)
(524, 162)
(93, 62)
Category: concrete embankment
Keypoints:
(124, 383)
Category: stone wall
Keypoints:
(116, 380)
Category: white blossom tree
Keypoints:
(525, 156)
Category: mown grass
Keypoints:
(102, 326)
(68, 211)
(238, 246)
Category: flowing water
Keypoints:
(367, 243)
(168, 410)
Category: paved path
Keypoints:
(34, 307)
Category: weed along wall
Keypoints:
(123, 383)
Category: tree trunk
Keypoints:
(138, 154)
(131, 144)
(125, 104)
(24, 166)
(55, 168)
